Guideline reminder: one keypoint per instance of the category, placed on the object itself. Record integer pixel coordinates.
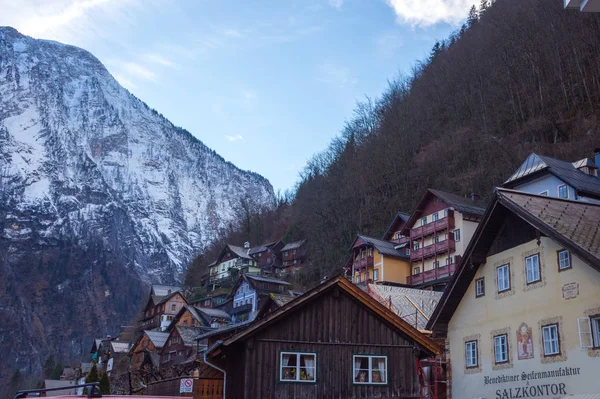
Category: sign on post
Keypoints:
(109, 365)
(186, 385)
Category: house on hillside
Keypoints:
(268, 255)
(293, 255)
(543, 175)
(160, 310)
(180, 346)
(394, 232)
(232, 257)
(145, 352)
(440, 228)
(249, 292)
(334, 341)
(521, 315)
(210, 301)
(379, 261)
(209, 318)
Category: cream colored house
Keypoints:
(232, 257)
(522, 314)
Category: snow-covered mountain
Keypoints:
(98, 194)
(78, 148)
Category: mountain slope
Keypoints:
(97, 192)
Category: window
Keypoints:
(358, 278)
(446, 212)
(298, 367)
(595, 321)
(479, 287)
(436, 264)
(185, 323)
(438, 237)
(503, 278)
(550, 339)
(286, 253)
(416, 270)
(435, 216)
(563, 192)
(295, 261)
(376, 274)
(544, 193)
(366, 276)
(415, 245)
(564, 260)
(369, 369)
(294, 252)
(423, 220)
(501, 348)
(371, 252)
(471, 354)
(362, 254)
(457, 235)
(532, 264)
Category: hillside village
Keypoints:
(458, 299)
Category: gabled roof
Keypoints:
(293, 245)
(252, 280)
(365, 299)
(163, 290)
(401, 218)
(265, 279)
(235, 250)
(263, 248)
(168, 297)
(211, 313)
(158, 338)
(535, 165)
(573, 224)
(120, 346)
(189, 334)
(461, 204)
(384, 247)
(413, 305)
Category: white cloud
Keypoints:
(336, 3)
(237, 137)
(125, 82)
(249, 98)
(336, 75)
(159, 59)
(429, 12)
(139, 71)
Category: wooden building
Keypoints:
(232, 257)
(334, 341)
(395, 231)
(378, 261)
(268, 255)
(294, 255)
(249, 293)
(192, 316)
(160, 310)
(522, 314)
(180, 346)
(145, 352)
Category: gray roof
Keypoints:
(565, 171)
(267, 279)
(385, 247)
(221, 330)
(210, 312)
(293, 245)
(158, 338)
(189, 334)
(282, 299)
(461, 204)
(163, 290)
(239, 251)
(408, 303)
(262, 248)
(120, 346)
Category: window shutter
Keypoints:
(585, 332)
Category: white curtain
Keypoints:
(285, 360)
(309, 362)
(381, 367)
(356, 368)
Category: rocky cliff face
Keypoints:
(97, 193)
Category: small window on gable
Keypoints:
(544, 193)
(563, 191)
(479, 287)
(564, 260)
(369, 369)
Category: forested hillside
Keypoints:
(518, 76)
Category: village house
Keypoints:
(268, 255)
(378, 261)
(211, 301)
(334, 341)
(249, 292)
(180, 346)
(544, 175)
(440, 228)
(145, 352)
(394, 232)
(160, 310)
(522, 313)
(232, 257)
(191, 316)
(293, 255)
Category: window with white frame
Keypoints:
(423, 220)
(298, 367)
(376, 274)
(436, 264)
(457, 235)
(564, 260)
(479, 287)
(446, 212)
(435, 216)
(415, 245)
(550, 339)
(501, 348)
(532, 266)
(369, 369)
(471, 354)
(595, 322)
(563, 191)
(503, 277)
(438, 237)
(416, 270)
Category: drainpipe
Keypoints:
(212, 348)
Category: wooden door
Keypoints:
(206, 388)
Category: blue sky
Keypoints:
(266, 84)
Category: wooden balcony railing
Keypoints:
(439, 247)
(363, 263)
(433, 274)
(444, 223)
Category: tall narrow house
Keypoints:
(439, 230)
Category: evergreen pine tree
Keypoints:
(473, 17)
(105, 384)
(93, 375)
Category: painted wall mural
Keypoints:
(524, 342)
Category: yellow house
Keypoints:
(521, 316)
(378, 261)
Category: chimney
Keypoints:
(247, 245)
(597, 157)
(474, 197)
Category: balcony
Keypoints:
(434, 226)
(363, 263)
(433, 274)
(436, 248)
(242, 309)
(401, 240)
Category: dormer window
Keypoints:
(563, 191)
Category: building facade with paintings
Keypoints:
(522, 314)
(440, 228)
(334, 341)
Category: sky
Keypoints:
(265, 83)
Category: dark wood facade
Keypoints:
(335, 323)
(294, 256)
